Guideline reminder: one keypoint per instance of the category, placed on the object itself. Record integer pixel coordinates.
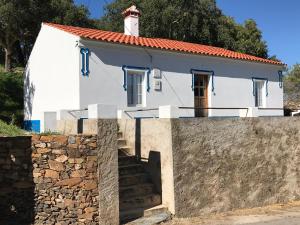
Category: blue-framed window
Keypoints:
(85, 64)
(208, 72)
(260, 91)
(136, 83)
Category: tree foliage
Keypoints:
(291, 87)
(20, 22)
(199, 21)
(11, 97)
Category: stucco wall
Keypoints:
(223, 164)
(232, 82)
(51, 80)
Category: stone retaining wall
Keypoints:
(66, 181)
(225, 164)
(16, 182)
(60, 179)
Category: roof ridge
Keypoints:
(159, 43)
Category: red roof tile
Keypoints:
(108, 36)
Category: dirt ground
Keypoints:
(279, 214)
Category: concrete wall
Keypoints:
(52, 74)
(151, 140)
(233, 79)
(225, 164)
(217, 165)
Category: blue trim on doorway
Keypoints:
(85, 64)
(32, 125)
(126, 68)
(211, 72)
(263, 79)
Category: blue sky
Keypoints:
(279, 20)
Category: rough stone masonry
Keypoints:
(55, 179)
(54, 182)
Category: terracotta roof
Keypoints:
(158, 43)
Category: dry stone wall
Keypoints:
(65, 177)
(60, 179)
(16, 181)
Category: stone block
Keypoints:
(62, 158)
(52, 174)
(57, 166)
(69, 182)
(88, 185)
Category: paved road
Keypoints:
(278, 215)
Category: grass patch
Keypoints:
(10, 130)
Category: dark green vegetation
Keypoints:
(292, 87)
(199, 21)
(11, 97)
(20, 22)
(10, 129)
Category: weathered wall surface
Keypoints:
(16, 182)
(151, 139)
(66, 180)
(224, 164)
(59, 179)
(108, 172)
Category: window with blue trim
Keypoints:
(135, 88)
(260, 91)
(136, 83)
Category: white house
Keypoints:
(71, 68)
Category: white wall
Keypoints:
(233, 79)
(52, 74)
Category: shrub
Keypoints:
(11, 97)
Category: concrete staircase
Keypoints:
(138, 197)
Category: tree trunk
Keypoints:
(8, 56)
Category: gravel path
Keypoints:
(288, 214)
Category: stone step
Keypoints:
(136, 190)
(131, 169)
(125, 160)
(155, 218)
(137, 202)
(133, 214)
(121, 142)
(132, 179)
(120, 134)
(125, 149)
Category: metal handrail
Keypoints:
(76, 110)
(232, 108)
(209, 108)
(271, 108)
(141, 110)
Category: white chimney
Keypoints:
(131, 21)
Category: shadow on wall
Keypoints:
(16, 181)
(152, 164)
(153, 167)
(29, 91)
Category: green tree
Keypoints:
(11, 97)
(291, 87)
(20, 22)
(250, 40)
(12, 26)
